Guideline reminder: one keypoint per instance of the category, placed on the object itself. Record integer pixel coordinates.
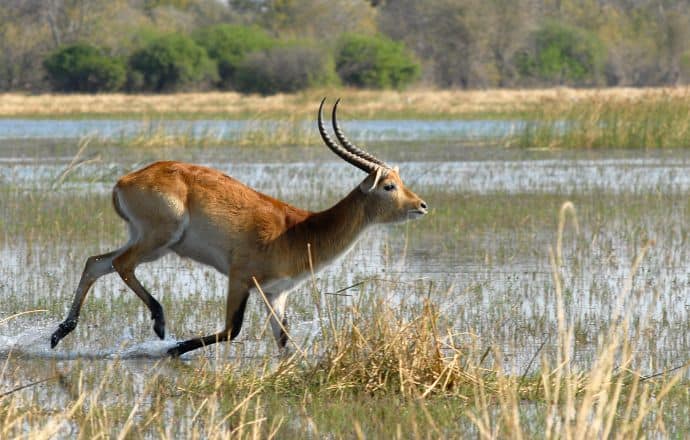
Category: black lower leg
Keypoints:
(282, 340)
(192, 344)
(238, 319)
(158, 318)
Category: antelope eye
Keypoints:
(389, 186)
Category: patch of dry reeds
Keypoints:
(419, 103)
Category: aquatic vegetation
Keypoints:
(659, 121)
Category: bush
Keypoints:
(563, 54)
(84, 68)
(228, 45)
(171, 63)
(284, 69)
(375, 62)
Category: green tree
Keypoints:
(229, 44)
(563, 54)
(285, 69)
(172, 62)
(84, 68)
(375, 62)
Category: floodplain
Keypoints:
(545, 295)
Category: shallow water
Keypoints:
(363, 130)
(482, 255)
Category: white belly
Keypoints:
(201, 250)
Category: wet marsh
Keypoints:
(459, 323)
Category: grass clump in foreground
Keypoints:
(655, 121)
(381, 371)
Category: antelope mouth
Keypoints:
(416, 213)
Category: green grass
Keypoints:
(660, 122)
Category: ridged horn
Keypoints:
(352, 148)
(361, 163)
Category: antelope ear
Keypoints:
(365, 187)
(396, 169)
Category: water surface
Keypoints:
(481, 256)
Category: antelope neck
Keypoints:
(332, 232)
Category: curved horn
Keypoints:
(352, 148)
(349, 157)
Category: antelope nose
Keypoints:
(422, 205)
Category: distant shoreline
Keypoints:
(359, 104)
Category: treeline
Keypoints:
(231, 57)
(270, 46)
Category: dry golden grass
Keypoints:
(360, 103)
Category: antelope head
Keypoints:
(387, 199)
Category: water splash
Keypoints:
(35, 343)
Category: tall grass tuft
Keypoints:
(657, 121)
(387, 353)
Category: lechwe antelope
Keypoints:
(201, 213)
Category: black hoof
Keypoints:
(63, 330)
(55, 338)
(176, 351)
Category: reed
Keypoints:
(657, 121)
